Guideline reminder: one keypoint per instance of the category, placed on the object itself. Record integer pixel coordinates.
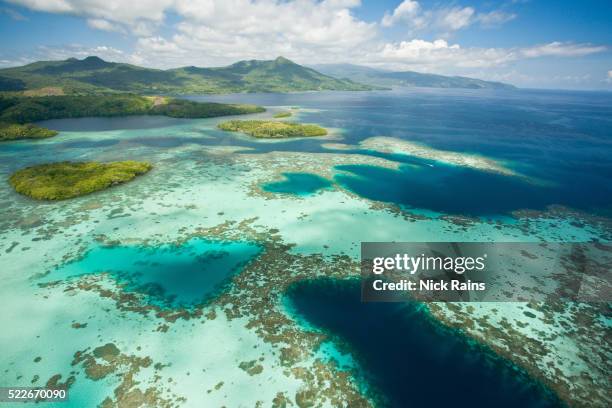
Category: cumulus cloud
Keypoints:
(455, 18)
(80, 51)
(308, 20)
(104, 25)
(436, 55)
(406, 12)
(114, 12)
(430, 56)
(218, 32)
(443, 20)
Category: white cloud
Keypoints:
(116, 13)
(14, 14)
(80, 51)
(406, 11)
(494, 18)
(52, 6)
(104, 25)
(443, 20)
(158, 45)
(559, 49)
(455, 18)
(439, 55)
(431, 56)
(218, 32)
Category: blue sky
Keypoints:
(530, 43)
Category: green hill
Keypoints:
(378, 77)
(94, 75)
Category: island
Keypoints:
(18, 112)
(63, 180)
(13, 131)
(269, 129)
(284, 114)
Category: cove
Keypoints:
(300, 184)
(457, 190)
(411, 360)
(171, 276)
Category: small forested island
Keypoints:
(63, 180)
(268, 129)
(13, 131)
(284, 114)
(21, 110)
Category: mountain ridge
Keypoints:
(379, 77)
(95, 75)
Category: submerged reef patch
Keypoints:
(384, 144)
(106, 361)
(256, 296)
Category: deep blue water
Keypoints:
(410, 359)
(562, 138)
(300, 184)
(169, 275)
(459, 190)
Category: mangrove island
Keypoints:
(13, 131)
(272, 129)
(63, 180)
(284, 114)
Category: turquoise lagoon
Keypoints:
(170, 275)
(299, 184)
(204, 178)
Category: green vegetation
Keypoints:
(59, 181)
(14, 132)
(32, 109)
(285, 114)
(178, 108)
(93, 75)
(271, 129)
(16, 112)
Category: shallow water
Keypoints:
(562, 139)
(299, 184)
(174, 276)
(410, 359)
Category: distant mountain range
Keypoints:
(94, 75)
(382, 78)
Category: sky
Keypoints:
(564, 44)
